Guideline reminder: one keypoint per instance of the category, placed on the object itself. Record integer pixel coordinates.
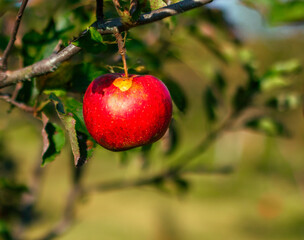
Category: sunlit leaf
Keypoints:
(95, 35)
(276, 76)
(156, 4)
(287, 67)
(273, 81)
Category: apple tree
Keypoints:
(52, 50)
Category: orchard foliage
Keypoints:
(56, 98)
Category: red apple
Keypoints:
(122, 113)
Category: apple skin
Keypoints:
(123, 119)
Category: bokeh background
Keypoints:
(260, 198)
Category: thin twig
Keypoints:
(117, 6)
(51, 63)
(16, 90)
(122, 51)
(58, 47)
(3, 60)
(22, 106)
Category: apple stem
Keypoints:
(122, 50)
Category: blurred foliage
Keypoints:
(10, 191)
(279, 12)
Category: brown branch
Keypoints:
(99, 11)
(16, 90)
(122, 51)
(22, 106)
(117, 6)
(47, 65)
(3, 60)
(51, 63)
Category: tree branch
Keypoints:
(3, 60)
(51, 63)
(99, 11)
(22, 106)
(117, 5)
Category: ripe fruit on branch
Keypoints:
(126, 112)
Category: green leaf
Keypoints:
(277, 11)
(156, 4)
(267, 126)
(12, 186)
(241, 99)
(178, 95)
(287, 67)
(181, 184)
(4, 231)
(273, 81)
(71, 117)
(219, 81)
(87, 72)
(284, 102)
(210, 104)
(58, 103)
(3, 41)
(53, 140)
(59, 93)
(275, 77)
(95, 35)
(75, 108)
(91, 41)
(36, 46)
